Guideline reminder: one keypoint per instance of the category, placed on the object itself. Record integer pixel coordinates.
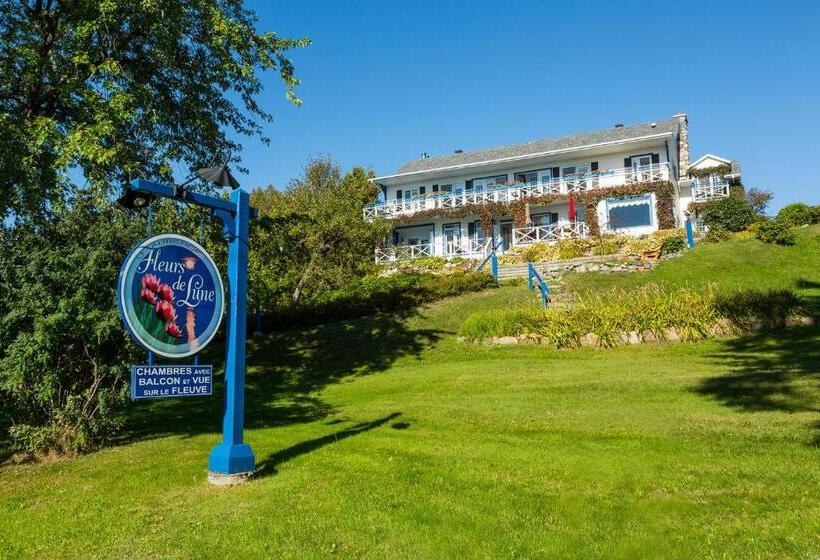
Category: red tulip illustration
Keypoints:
(165, 311)
(151, 282)
(166, 293)
(173, 330)
(148, 296)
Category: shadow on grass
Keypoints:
(268, 465)
(285, 370)
(774, 370)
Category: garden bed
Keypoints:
(649, 314)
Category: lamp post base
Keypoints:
(230, 464)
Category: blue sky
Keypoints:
(384, 81)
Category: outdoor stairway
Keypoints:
(559, 299)
(508, 271)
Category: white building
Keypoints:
(636, 179)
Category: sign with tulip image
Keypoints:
(171, 301)
(170, 295)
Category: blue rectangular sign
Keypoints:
(161, 382)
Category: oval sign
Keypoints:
(170, 295)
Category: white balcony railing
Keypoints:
(517, 191)
(548, 234)
(704, 191)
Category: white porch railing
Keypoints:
(702, 192)
(517, 191)
(548, 234)
(468, 248)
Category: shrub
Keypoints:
(673, 245)
(799, 214)
(570, 248)
(538, 252)
(745, 234)
(634, 247)
(510, 258)
(716, 235)
(775, 231)
(64, 354)
(653, 242)
(609, 316)
(731, 214)
(424, 263)
(606, 247)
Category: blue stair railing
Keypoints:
(532, 273)
(492, 258)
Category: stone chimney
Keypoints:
(683, 144)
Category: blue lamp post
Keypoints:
(232, 460)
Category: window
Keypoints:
(485, 182)
(546, 219)
(534, 177)
(629, 212)
(411, 193)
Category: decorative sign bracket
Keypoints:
(231, 460)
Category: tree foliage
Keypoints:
(111, 89)
(758, 199)
(64, 354)
(322, 239)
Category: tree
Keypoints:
(323, 236)
(115, 89)
(758, 199)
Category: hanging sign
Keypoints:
(170, 296)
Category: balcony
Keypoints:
(706, 190)
(518, 191)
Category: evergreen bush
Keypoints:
(730, 214)
(775, 231)
(799, 214)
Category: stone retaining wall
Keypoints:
(722, 328)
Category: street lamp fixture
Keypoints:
(218, 175)
(134, 200)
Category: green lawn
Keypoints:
(733, 264)
(386, 437)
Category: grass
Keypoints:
(385, 437)
(734, 264)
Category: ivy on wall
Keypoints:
(722, 169)
(664, 206)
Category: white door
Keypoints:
(452, 235)
(642, 168)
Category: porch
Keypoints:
(464, 248)
(549, 233)
(478, 248)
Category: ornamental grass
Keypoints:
(650, 313)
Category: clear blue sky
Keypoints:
(385, 81)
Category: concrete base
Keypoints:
(222, 479)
